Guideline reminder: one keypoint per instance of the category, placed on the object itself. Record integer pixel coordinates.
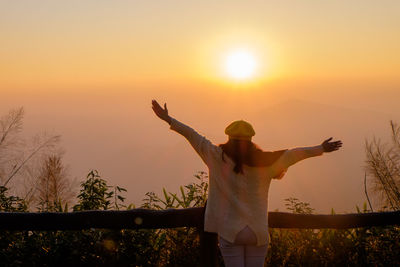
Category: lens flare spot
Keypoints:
(138, 220)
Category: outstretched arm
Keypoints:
(201, 144)
(295, 155)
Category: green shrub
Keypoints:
(374, 246)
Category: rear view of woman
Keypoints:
(239, 177)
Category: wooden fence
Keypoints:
(172, 218)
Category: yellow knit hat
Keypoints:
(240, 130)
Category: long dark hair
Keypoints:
(246, 152)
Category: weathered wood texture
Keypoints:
(172, 218)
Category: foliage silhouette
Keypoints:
(383, 163)
(376, 246)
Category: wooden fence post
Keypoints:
(208, 244)
(208, 248)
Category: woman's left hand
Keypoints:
(162, 113)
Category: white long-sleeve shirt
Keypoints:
(237, 200)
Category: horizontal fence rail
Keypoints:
(337, 221)
(172, 218)
(128, 219)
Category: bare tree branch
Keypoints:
(48, 142)
(11, 123)
(366, 192)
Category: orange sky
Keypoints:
(81, 44)
(88, 70)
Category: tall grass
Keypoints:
(375, 246)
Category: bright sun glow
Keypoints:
(240, 64)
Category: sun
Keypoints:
(240, 64)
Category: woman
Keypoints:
(239, 177)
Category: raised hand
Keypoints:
(162, 113)
(331, 146)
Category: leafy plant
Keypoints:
(11, 203)
(191, 195)
(95, 194)
(369, 246)
(297, 206)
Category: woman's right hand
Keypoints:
(331, 146)
(162, 113)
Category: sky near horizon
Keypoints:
(86, 44)
(89, 69)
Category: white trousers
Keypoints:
(243, 252)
